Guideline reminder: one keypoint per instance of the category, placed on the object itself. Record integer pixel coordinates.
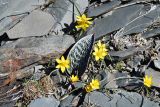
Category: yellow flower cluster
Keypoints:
(100, 51)
(94, 84)
(63, 65)
(148, 81)
(83, 22)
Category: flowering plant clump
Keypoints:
(63, 64)
(100, 51)
(90, 66)
(74, 78)
(148, 81)
(83, 22)
(93, 85)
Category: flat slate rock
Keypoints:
(12, 10)
(63, 10)
(120, 99)
(124, 82)
(120, 55)
(143, 21)
(42, 45)
(118, 83)
(96, 11)
(13, 7)
(157, 64)
(152, 32)
(67, 102)
(97, 98)
(114, 20)
(38, 23)
(45, 102)
(156, 76)
(26, 51)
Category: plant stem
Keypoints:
(65, 96)
(75, 6)
(52, 72)
(101, 64)
(110, 57)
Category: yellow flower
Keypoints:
(101, 45)
(95, 84)
(88, 88)
(147, 81)
(99, 53)
(74, 78)
(62, 64)
(83, 22)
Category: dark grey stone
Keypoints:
(45, 102)
(9, 22)
(11, 7)
(155, 74)
(122, 82)
(38, 23)
(143, 21)
(126, 99)
(120, 99)
(16, 9)
(39, 50)
(136, 59)
(157, 64)
(42, 45)
(119, 82)
(151, 33)
(67, 102)
(148, 103)
(119, 55)
(96, 11)
(114, 20)
(97, 98)
(8, 104)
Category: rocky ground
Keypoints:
(36, 32)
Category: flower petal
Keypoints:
(67, 66)
(97, 58)
(58, 60)
(84, 16)
(62, 59)
(67, 61)
(99, 43)
(78, 17)
(95, 49)
(63, 69)
(89, 18)
(58, 66)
